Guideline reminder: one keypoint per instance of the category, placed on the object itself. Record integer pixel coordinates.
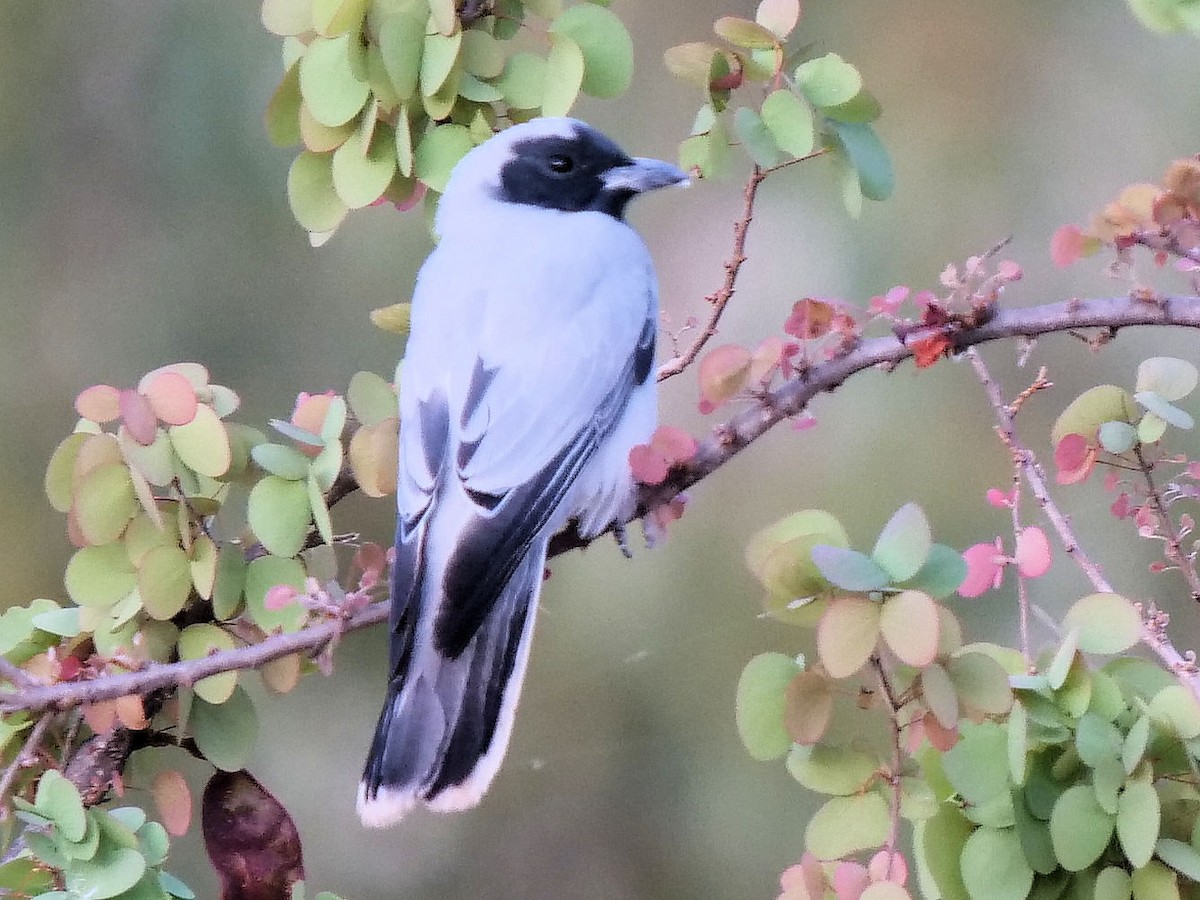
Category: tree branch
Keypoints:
(726, 440)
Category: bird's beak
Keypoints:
(644, 175)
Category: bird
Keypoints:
(527, 378)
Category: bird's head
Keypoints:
(552, 163)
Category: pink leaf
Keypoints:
(98, 403)
(648, 465)
(886, 866)
(723, 373)
(999, 498)
(139, 417)
(940, 737)
(1066, 246)
(1074, 458)
(1010, 270)
(674, 444)
(1032, 552)
(1111, 480)
(172, 398)
(983, 569)
(280, 596)
(174, 802)
(1120, 506)
(850, 879)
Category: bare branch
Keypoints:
(1173, 544)
(726, 440)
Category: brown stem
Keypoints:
(1173, 545)
(889, 694)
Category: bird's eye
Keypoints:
(561, 163)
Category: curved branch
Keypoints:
(726, 440)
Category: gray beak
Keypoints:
(644, 175)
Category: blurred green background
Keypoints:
(143, 221)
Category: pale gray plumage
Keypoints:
(527, 378)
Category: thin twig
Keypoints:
(1153, 636)
(889, 694)
(1172, 545)
(15, 675)
(23, 759)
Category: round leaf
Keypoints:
(112, 872)
(279, 514)
(849, 569)
(756, 139)
(225, 732)
(523, 81)
(780, 16)
(1117, 437)
(790, 122)
(826, 769)
(845, 825)
(59, 801)
(439, 152)
(606, 46)
(104, 503)
(265, 573)
(1087, 412)
(373, 453)
(808, 707)
(828, 80)
(1157, 405)
(868, 156)
(361, 178)
(903, 545)
(199, 641)
(172, 398)
(1170, 378)
(59, 481)
(981, 683)
(482, 55)
(761, 699)
(164, 581)
(203, 443)
(1113, 884)
(847, 634)
(332, 90)
(993, 865)
(1107, 623)
(564, 74)
(744, 33)
(1138, 821)
(1175, 709)
(311, 194)
(173, 800)
(99, 576)
(438, 59)
(911, 626)
(371, 398)
(1079, 828)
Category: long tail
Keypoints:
(446, 723)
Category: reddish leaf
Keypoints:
(985, 568)
(850, 879)
(940, 737)
(1066, 246)
(810, 318)
(723, 373)
(889, 302)
(139, 417)
(174, 802)
(767, 358)
(251, 840)
(1032, 552)
(648, 465)
(98, 403)
(1120, 506)
(172, 398)
(808, 707)
(131, 712)
(928, 350)
(280, 596)
(674, 444)
(886, 866)
(999, 498)
(100, 716)
(1075, 459)
(309, 414)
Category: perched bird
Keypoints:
(528, 377)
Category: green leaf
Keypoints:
(263, 574)
(203, 443)
(1018, 745)
(59, 801)
(1117, 437)
(1107, 623)
(60, 472)
(845, 825)
(104, 503)
(862, 108)
(371, 398)
(760, 705)
(1154, 881)
(869, 157)
(903, 545)
(200, 640)
(847, 635)
(1183, 858)
(606, 46)
(281, 460)
(63, 622)
(311, 194)
(790, 122)
(1174, 709)
(977, 765)
(756, 139)
(482, 55)
(1097, 740)
(99, 576)
(332, 89)
(911, 627)
(320, 512)
(692, 62)
(1138, 821)
(744, 33)
(401, 41)
(231, 579)
(1134, 745)
(360, 177)
(112, 872)
(943, 572)
(828, 80)
(564, 74)
(849, 569)
(1064, 656)
(939, 843)
(439, 152)
(829, 769)
(1170, 378)
(164, 581)
(334, 17)
(1079, 828)
(1113, 884)
(994, 866)
(225, 732)
(279, 514)
(437, 60)
(980, 682)
(1087, 412)
(1172, 415)
(287, 17)
(780, 16)
(1151, 428)
(938, 692)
